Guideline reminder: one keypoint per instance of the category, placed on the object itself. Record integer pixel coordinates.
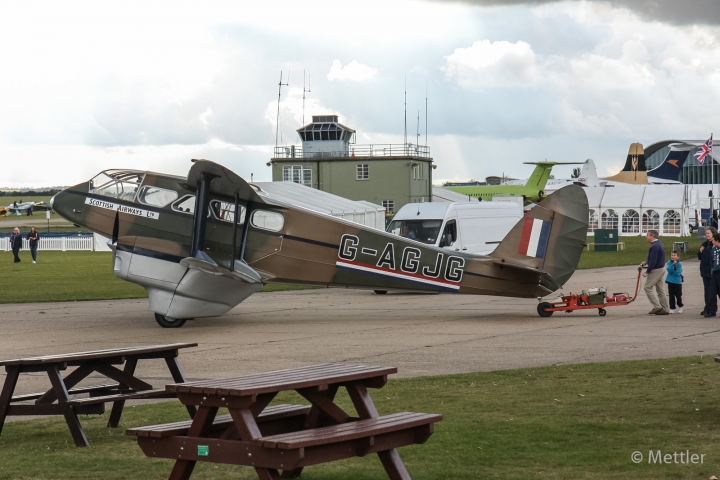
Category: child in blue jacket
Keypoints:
(674, 281)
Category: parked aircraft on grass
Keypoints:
(533, 190)
(23, 208)
(180, 239)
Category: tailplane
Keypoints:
(549, 239)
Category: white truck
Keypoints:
(470, 227)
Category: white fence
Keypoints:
(57, 243)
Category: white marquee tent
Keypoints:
(635, 209)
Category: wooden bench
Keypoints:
(284, 412)
(62, 398)
(285, 438)
(369, 436)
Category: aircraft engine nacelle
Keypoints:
(177, 289)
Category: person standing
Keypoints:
(655, 273)
(674, 281)
(705, 257)
(715, 280)
(33, 239)
(16, 243)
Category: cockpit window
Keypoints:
(186, 204)
(225, 211)
(156, 196)
(120, 184)
(425, 231)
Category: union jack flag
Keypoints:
(704, 151)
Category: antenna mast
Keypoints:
(417, 132)
(308, 91)
(277, 119)
(426, 114)
(405, 132)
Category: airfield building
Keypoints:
(328, 159)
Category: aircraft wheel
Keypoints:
(380, 292)
(167, 322)
(542, 309)
(602, 312)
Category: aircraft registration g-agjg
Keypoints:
(181, 240)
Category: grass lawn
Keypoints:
(636, 249)
(68, 276)
(563, 422)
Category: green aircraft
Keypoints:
(532, 191)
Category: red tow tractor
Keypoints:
(593, 298)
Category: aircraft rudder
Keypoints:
(550, 237)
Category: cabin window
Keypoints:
(186, 204)
(225, 211)
(301, 174)
(156, 196)
(117, 184)
(267, 220)
(389, 206)
(362, 171)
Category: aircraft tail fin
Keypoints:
(540, 175)
(634, 170)
(549, 239)
(671, 167)
(588, 174)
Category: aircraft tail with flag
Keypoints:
(549, 239)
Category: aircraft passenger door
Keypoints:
(265, 235)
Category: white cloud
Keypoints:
(354, 71)
(492, 64)
(204, 117)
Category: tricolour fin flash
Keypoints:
(550, 238)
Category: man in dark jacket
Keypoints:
(16, 244)
(654, 286)
(705, 257)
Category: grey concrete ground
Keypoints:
(419, 334)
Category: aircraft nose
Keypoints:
(63, 203)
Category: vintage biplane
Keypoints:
(181, 239)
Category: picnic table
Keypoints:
(285, 437)
(58, 401)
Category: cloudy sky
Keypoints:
(92, 85)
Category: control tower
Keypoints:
(391, 175)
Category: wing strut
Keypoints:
(202, 205)
(248, 213)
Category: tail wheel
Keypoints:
(602, 312)
(542, 309)
(167, 322)
(380, 292)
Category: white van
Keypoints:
(471, 227)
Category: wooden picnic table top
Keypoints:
(96, 354)
(280, 380)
